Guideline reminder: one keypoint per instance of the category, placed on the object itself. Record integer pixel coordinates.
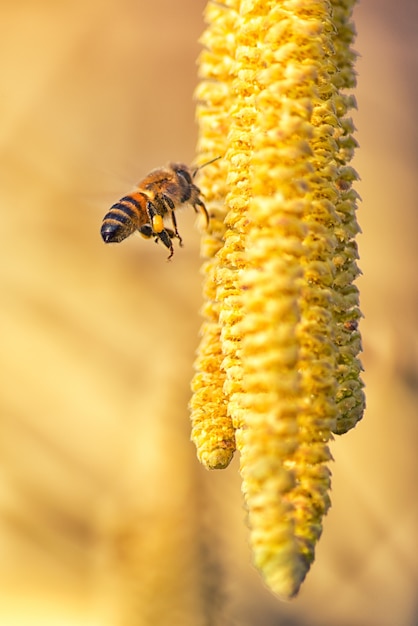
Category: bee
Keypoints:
(156, 197)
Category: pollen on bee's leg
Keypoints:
(157, 223)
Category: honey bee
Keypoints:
(157, 196)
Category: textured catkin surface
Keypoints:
(107, 518)
(282, 284)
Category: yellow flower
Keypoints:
(277, 368)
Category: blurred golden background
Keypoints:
(106, 516)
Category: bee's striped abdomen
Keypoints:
(122, 219)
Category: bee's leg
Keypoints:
(155, 218)
(203, 210)
(146, 231)
(168, 201)
(173, 219)
(165, 237)
(170, 207)
(158, 227)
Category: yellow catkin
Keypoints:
(316, 329)
(350, 395)
(279, 349)
(286, 410)
(212, 430)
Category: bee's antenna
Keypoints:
(204, 165)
